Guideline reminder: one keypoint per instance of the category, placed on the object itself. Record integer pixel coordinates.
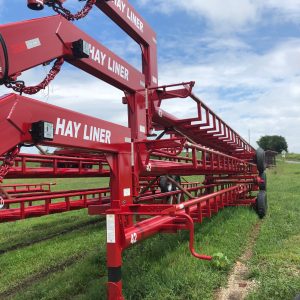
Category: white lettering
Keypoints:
(69, 129)
(135, 20)
(76, 127)
(123, 7)
(90, 133)
(118, 69)
(102, 136)
(107, 137)
(60, 126)
(85, 136)
(96, 134)
(92, 51)
(120, 5)
(103, 56)
(113, 66)
(97, 56)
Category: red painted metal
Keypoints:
(53, 202)
(54, 166)
(206, 128)
(45, 39)
(134, 205)
(19, 188)
(71, 129)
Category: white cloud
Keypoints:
(288, 6)
(230, 14)
(252, 91)
(249, 90)
(78, 91)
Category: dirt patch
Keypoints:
(239, 285)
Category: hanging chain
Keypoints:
(19, 86)
(58, 8)
(9, 161)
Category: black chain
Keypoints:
(19, 86)
(58, 8)
(8, 161)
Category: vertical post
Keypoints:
(114, 258)
(121, 195)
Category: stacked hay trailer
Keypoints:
(147, 162)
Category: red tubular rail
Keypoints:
(27, 187)
(46, 166)
(53, 204)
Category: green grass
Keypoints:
(66, 257)
(276, 263)
(293, 156)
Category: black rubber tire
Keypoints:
(297, 297)
(260, 160)
(167, 186)
(261, 204)
(2, 204)
(178, 180)
(263, 186)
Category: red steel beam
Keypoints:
(129, 20)
(42, 40)
(71, 129)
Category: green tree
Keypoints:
(273, 142)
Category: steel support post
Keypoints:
(121, 195)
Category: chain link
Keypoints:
(8, 162)
(58, 8)
(19, 86)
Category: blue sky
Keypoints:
(243, 54)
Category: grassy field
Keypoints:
(63, 256)
(276, 262)
(293, 156)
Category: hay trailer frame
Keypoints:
(145, 161)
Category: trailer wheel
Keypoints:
(260, 160)
(2, 205)
(178, 180)
(263, 186)
(261, 204)
(297, 297)
(166, 185)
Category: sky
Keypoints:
(243, 54)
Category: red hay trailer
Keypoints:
(144, 161)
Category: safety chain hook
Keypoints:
(19, 86)
(9, 161)
(58, 8)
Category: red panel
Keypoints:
(42, 40)
(71, 129)
(125, 15)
